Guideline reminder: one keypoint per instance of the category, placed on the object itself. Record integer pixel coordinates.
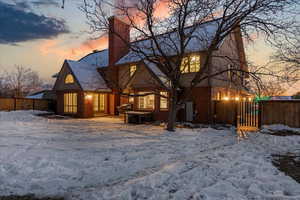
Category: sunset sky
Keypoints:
(40, 34)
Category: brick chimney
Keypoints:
(118, 39)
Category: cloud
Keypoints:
(18, 25)
(56, 47)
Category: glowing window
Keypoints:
(70, 103)
(146, 102)
(132, 69)
(69, 79)
(190, 64)
(164, 100)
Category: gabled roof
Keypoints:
(99, 58)
(87, 76)
(165, 81)
(202, 36)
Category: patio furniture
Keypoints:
(138, 117)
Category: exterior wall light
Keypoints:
(88, 97)
(226, 98)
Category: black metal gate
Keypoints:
(248, 116)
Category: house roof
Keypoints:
(99, 58)
(39, 95)
(87, 76)
(165, 81)
(202, 36)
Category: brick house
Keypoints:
(83, 89)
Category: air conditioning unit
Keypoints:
(189, 111)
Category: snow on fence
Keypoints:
(285, 112)
(9, 104)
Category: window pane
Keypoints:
(146, 102)
(184, 68)
(132, 69)
(163, 100)
(131, 99)
(69, 79)
(70, 102)
(194, 63)
(150, 101)
(102, 102)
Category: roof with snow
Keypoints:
(99, 58)
(202, 36)
(36, 96)
(87, 76)
(158, 73)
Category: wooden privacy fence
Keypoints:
(9, 104)
(255, 114)
(281, 112)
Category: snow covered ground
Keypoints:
(103, 158)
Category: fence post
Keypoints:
(259, 114)
(33, 104)
(15, 103)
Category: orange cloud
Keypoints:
(55, 47)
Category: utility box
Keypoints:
(189, 111)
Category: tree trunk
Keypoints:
(172, 111)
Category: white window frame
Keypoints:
(143, 101)
(70, 103)
(163, 101)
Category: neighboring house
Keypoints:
(84, 88)
(44, 94)
(281, 98)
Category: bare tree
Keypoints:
(167, 51)
(22, 81)
(288, 51)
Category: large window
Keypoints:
(146, 102)
(69, 79)
(164, 100)
(190, 64)
(70, 103)
(99, 102)
(132, 69)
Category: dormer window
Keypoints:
(69, 79)
(190, 64)
(132, 69)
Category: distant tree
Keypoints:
(270, 80)
(22, 81)
(288, 51)
(296, 96)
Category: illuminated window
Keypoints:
(132, 69)
(131, 98)
(190, 64)
(70, 103)
(99, 102)
(69, 79)
(164, 100)
(146, 102)
(184, 68)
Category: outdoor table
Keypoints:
(139, 117)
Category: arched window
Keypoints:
(69, 79)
